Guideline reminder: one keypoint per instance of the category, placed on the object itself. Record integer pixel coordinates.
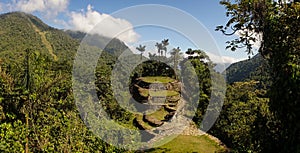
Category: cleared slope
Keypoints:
(45, 41)
(20, 31)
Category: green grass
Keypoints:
(184, 143)
(45, 41)
(157, 79)
(139, 118)
(158, 93)
(159, 114)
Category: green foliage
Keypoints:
(12, 136)
(256, 68)
(153, 68)
(245, 123)
(276, 21)
(200, 66)
(37, 110)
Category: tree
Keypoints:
(159, 48)
(141, 49)
(152, 56)
(162, 47)
(245, 122)
(276, 22)
(197, 71)
(165, 43)
(189, 52)
(176, 57)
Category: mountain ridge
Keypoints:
(20, 31)
(255, 68)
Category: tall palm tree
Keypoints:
(152, 56)
(165, 43)
(141, 49)
(177, 55)
(159, 48)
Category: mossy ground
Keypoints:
(158, 93)
(157, 79)
(185, 143)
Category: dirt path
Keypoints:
(45, 41)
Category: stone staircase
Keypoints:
(164, 100)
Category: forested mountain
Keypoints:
(37, 107)
(37, 95)
(255, 68)
(111, 45)
(20, 31)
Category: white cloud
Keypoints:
(50, 8)
(227, 59)
(109, 26)
(81, 21)
(223, 59)
(30, 6)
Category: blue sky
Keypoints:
(82, 15)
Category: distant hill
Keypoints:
(220, 67)
(256, 68)
(111, 45)
(20, 31)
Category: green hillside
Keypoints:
(37, 108)
(256, 68)
(20, 31)
(110, 45)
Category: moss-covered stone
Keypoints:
(152, 121)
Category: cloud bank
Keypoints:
(223, 59)
(50, 8)
(84, 21)
(109, 26)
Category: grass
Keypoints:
(158, 93)
(184, 143)
(45, 41)
(157, 79)
(159, 114)
(139, 118)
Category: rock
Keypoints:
(137, 123)
(169, 116)
(152, 121)
(173, 99)
(176, 86)
(170, 109)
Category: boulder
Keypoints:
(152, 121)
(170, 109)
(173, 99)
(176, 86)
(169, 116)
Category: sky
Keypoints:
(175, 20)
